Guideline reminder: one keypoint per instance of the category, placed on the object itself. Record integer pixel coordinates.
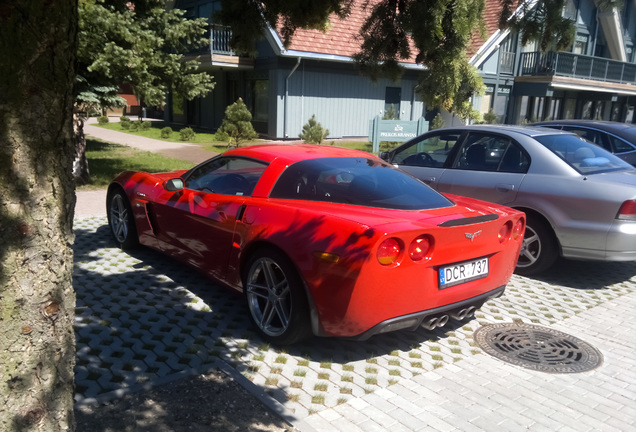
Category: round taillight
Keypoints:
(504, 232)
(419, 248)
(518, 230)
(388, 251)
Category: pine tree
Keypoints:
(237, 124)
(141, 43)
(313, 132)
(37, 301)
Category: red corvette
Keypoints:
(323, 240)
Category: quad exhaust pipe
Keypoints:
(440, 321)
(434, 322)
(464, 313)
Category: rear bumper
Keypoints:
(415, 320)
(620, 245)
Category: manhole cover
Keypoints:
(538, 348)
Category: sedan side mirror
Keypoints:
(384, 155)
(173, 185)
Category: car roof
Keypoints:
(519, 129)
(290, 153)
(608, 126)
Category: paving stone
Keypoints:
(148, 313)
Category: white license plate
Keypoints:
(463, 272)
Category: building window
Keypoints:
(260, 91)
(501, 102)
(580, 44)
(569, 11)
(392, 99)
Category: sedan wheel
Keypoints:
(120, 220)
(275, 298)
(539, 248)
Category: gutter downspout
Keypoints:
(287, 96)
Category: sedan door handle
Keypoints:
(503, 187)
(428, 179)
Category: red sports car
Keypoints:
(323, 240)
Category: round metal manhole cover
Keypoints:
(538, 348)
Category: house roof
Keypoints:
(339, 40)
(342, 41)
(491, 14)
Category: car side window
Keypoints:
(514, 160)
(431, 151)
(226, 176)
(590, 135)
(619, 145)
(483, 152)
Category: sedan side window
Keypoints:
(429, 152)
(619, 145)
(588, 134)
(226, 176)
(482, 152)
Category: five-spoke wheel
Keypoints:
(275, 298)
(539, 248)
(120, 220)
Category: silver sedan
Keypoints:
(580, 200)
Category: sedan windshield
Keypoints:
(583, 156)
(360, 181)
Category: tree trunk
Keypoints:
(81, 173)
(37, 343)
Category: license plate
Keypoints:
(463, 272)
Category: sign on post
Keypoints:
(394, 130)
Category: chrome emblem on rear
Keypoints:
(471, 236)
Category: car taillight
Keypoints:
(519, 229)
(627, 210)
(420, 248)
(389, 251)
(504, 232)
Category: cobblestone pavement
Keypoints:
(144, 319)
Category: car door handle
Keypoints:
(428, 179)
(503, 187)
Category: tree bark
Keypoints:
(37, 343)
(81, 173)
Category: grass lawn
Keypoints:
(155, 133)
(210, 142)
(106, 160)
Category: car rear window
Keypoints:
(582, 155)
(359, 181)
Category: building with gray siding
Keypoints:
(283, 88)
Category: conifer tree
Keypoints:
(237, 126)
(313, 132)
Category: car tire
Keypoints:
(539, 250)
(276, 298)
(121, 220)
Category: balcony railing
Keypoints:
(219, 37)
(577, 66)
(220, 40)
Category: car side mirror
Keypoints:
(173, 185)
(384, 155)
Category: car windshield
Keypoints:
(356, 180)
(583, 156)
